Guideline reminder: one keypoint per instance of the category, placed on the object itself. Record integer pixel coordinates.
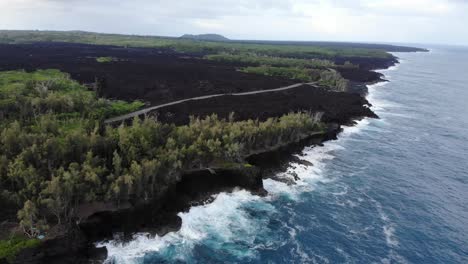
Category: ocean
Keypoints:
(389, 190)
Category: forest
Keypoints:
(56, 153)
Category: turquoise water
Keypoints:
(392, 190)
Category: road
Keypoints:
(152, 108)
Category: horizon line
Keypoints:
(239, 39)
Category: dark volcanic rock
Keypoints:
(338, 107)
(151, 75)
(68, 247)
(360, 75)
(368, 63)
(97, 255)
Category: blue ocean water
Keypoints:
(390, 190)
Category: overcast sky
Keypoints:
(416, 21)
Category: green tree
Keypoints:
(58, 196)
(29, 220)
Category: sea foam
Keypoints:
(220, 222)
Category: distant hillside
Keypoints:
(209, 37)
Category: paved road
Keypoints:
(152, 108)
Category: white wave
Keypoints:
(389, 232)
(373, 89)
(350, 130)
(222, 221)
(276, 188)
(130, 252)
(375, 98)
(305, 177)
(383, 106)
(379, 84)
(388, 227)
(391, 68)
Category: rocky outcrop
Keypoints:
(360, 75)
(368, 63)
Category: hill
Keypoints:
(208, 37)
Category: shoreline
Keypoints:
(341, 133)
(77, 242)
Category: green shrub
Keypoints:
(300, 74)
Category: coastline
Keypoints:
(304, 160)
(58, 249)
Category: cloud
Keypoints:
(413, 7)
(358, 20)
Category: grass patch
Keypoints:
(11, 247)
(116, 108)
(105, 59)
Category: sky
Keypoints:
(398, 21)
